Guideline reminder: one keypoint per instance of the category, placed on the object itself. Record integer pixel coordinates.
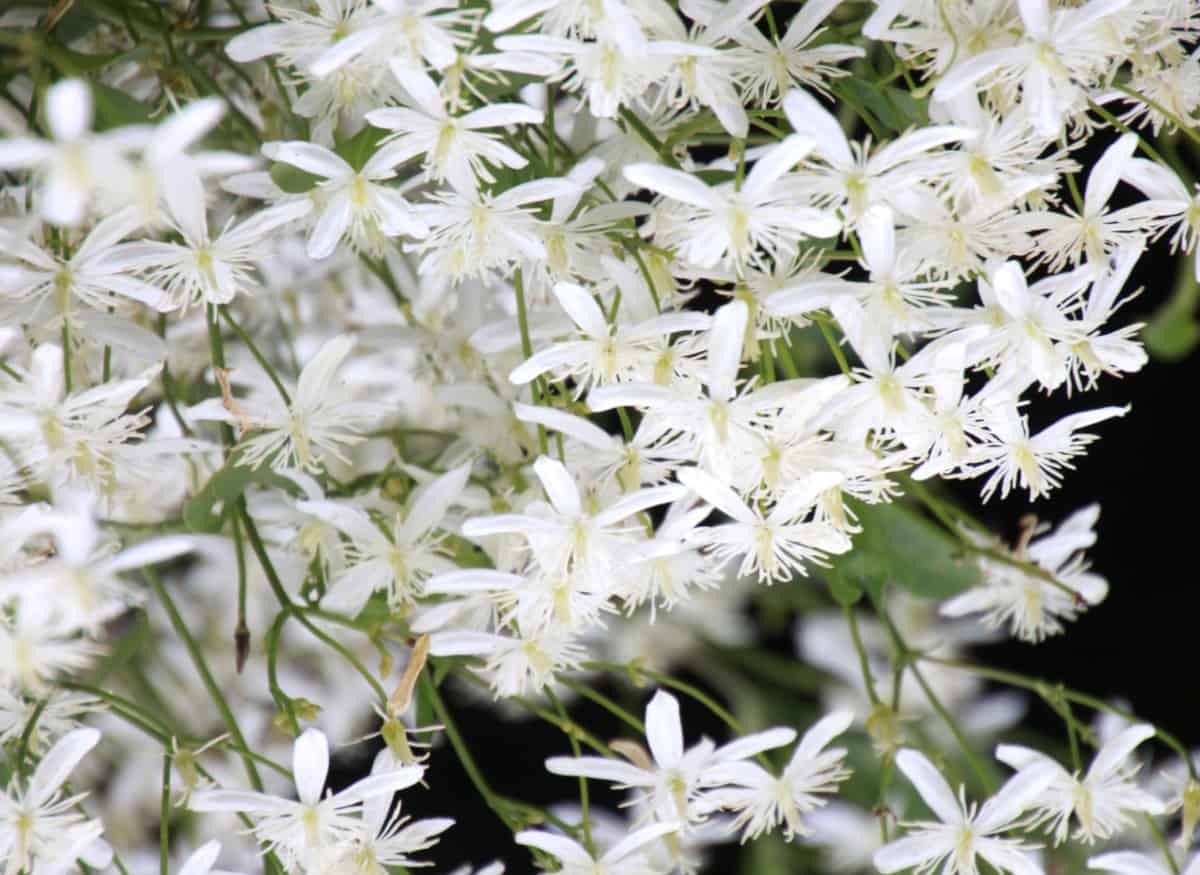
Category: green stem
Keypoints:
(908, 657)
(1047, 690)
(629, 117)
(463, 753)
(863, 662)
(258, 356)
(206, 675)
(604, 702)
(585, 817)
(164, 821)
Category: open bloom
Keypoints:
(721, 224)
(674, 784)
(763, 801)
(75, 165)
(303, 830)
(319, 418)
(623, 858)
(40, 824)
(1102, 799)
(353, 204)
(964, 835)
(773, 545)
(452, 147)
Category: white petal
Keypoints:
(69, 109)
(59, 762)
(344, 51)
(309, 157)
(725, 338)
(1107, 172)
(152, 552)
(781, 158)
(1017, 794)
(1127, 863)
(382, 784)
(583, 309)
(907, 853)
(316, 377)
(429, 507)
(1116, 750)
(930, 784)
(637, 840)
(810, 118)
(877, 233)
(717, 494)
(614, 771)
(184, 128)
(201, 859)
(258, 42)
(664, 731)
(559, 486)
(330, 227)
(673, 183)
(310, 765)
(575, 427)
(557, 846)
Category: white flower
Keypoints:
(567, 536)
(40, 824)
(1102, 799)
(396, 561)
(1034, 605)
(318, 419)
(76, 164)
(304, 830)
(203, 268)
(1096, 232)
(603, 353)
(773, 67)
(452, 147)
(764, 801)
(1013, 457)
(727, 225)
(475, 234)
(1054, 59)
(964, 834)
(852, 178)
(621, 859)
(675, 785)
(352, 204)
(772, 545)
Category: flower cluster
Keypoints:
(522, 341)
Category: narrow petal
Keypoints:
(559, 486)
(310, 765)
(930, 784)
(664, 731)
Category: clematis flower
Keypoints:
(1102, 799)
(302, 831)
(963, 835)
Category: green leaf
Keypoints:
(844, 591)
(358, 150)
(895, 109)
(115, 109)
(900, 547)
(1173, 332)
(1172, 339)
(291, 179)
(208, 509)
